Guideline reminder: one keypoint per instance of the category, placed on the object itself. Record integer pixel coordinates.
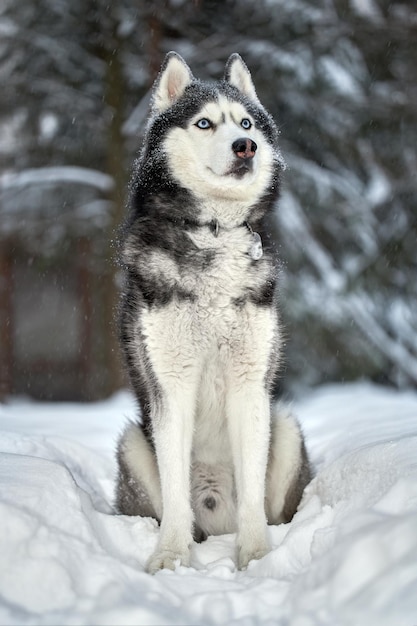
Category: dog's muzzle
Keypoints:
(244, 150)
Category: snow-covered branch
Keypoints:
(57, 175)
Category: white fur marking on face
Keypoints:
(201, 160)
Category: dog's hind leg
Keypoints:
(138, 490)
(288, 467)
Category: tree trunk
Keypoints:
(116, 158)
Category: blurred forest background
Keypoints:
(339, 76)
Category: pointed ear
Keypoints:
(238, 75)
(173, 78)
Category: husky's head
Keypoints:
(216, 139)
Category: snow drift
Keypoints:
(348, 557)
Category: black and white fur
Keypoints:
(211, 453)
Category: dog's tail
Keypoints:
(138, 490)
(289, 470)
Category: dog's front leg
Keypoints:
(173, 428)
(248, 413)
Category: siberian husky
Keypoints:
(211, 453)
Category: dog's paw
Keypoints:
(247, 554)
(167, 559)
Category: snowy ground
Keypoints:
(349, 557)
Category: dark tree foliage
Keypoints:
(340, 78)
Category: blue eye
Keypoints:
(245, 123)
(204, 123)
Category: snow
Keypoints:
(54, 175)
(48, 126)
(340, 78)
(367, 9)
(349, 557)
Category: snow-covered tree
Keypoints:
(67, 76)
(338, 75)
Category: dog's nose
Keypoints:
(244, 148)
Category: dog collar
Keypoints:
(255, 250)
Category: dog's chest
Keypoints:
(212, 288)
(222, 269)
